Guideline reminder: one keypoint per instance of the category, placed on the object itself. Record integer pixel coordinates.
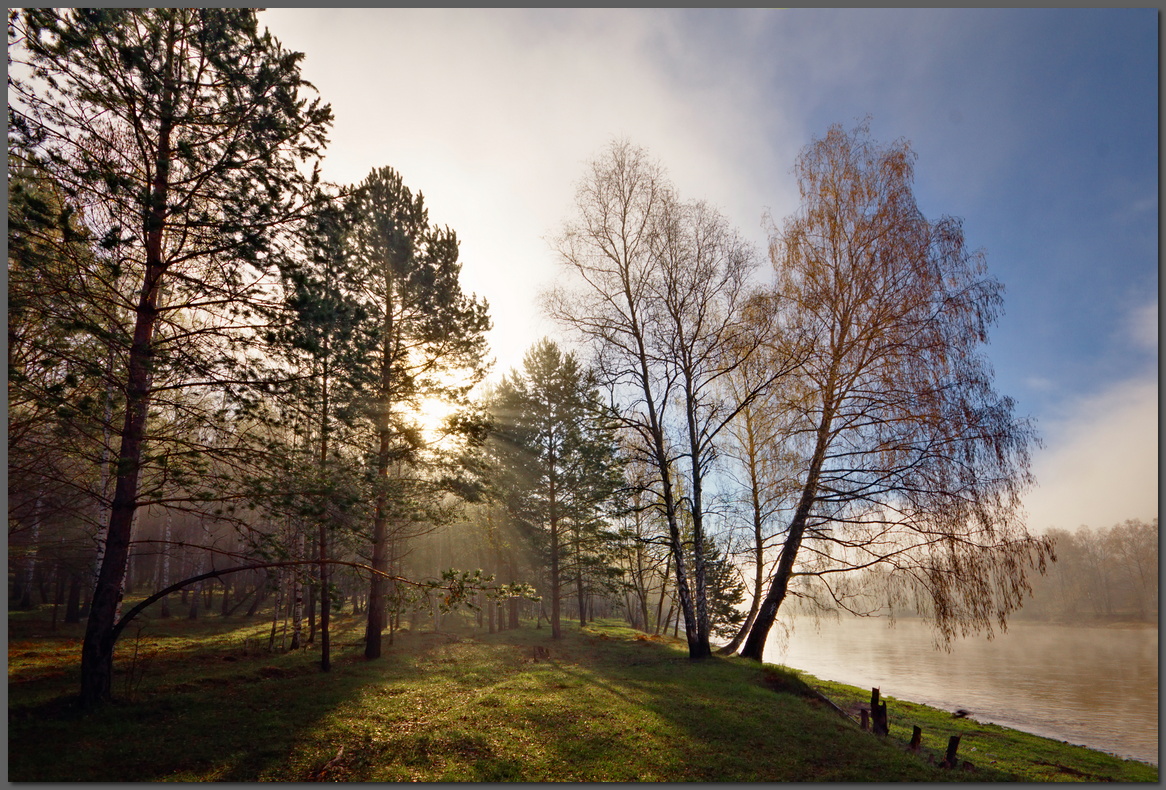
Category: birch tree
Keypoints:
(658, 287)
(911, 464)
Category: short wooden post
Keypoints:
(865, 718)
(953, 744)
(916, 738)
(878, 714)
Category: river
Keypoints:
(1094, 686)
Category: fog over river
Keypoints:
(1094, 686)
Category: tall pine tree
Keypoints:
(182, 133)
(559, 457)
(428, 341)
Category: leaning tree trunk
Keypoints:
(97, 648)
(755, 643)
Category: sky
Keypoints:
(1038, 128)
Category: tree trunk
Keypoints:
(325, 604)
(261, 593)
(556, 580)
(579, 583)
(164, 582)
(226, 606)
(73, 601)
(195, 598)
(513, 603)
(376, 591)
(58, 593)
(703, 648)
(755, 643)
(311, 613)
(97, 648)
(297, 595)
(29, 569)
(376, 595)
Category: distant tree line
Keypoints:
(1107, 574)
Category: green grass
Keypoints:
(1030, 758)
(206, 701)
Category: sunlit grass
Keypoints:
(208, 702)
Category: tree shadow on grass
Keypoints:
(223, 712)
(713, 720)
(441, 707)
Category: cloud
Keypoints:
(493, 116)
(1142, 326)
(1099, 465)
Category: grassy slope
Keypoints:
(207, 704)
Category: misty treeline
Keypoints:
(1107, 574)
(236, 388)
(1101, 575)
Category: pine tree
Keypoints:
(559, 457)
(324, 339)
(427, 341)
(182, 134)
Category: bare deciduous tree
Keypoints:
(912, 463)
(659, 289)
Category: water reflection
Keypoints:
(1093, 686)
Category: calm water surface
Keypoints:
(1097, 687)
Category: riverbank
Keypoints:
(1037, 677)
(206, 701)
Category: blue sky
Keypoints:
(1039, 128)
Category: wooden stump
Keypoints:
(865, 718)
(916, 738)
(878, 714)
(949, 759)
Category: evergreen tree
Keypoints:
(182, 134)
(725, 592)
(560, 464)
(324, 338)
(427, 342)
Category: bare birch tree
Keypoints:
(912, 465)
(658, 287)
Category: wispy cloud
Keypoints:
(1142, 326)
(493, 115)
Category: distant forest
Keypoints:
(1109, 573)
